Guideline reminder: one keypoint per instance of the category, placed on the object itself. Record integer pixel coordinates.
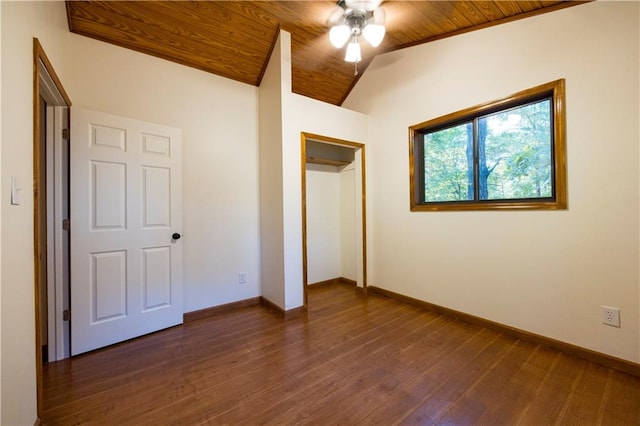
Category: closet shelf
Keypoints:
(327, 161)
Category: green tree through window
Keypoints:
(446, 164)
(506, 154)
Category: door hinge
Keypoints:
(65, 134)
(66, 224)
(66, 315)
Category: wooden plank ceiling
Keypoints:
(234, 39)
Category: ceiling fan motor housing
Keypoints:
(362, 5)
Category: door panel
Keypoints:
(156, 277)
(156, 193)
(108, 195)
(126, 271)
(108, 286)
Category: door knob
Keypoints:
(176, 236)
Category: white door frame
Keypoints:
(57, 168)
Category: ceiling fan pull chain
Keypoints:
(355, 68)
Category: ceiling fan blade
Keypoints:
(336, 14)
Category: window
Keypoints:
(506, 154)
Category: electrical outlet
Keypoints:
(611, 316)
(242, 278)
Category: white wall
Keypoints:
(323, 223)
(0, 224)
(218, 118)
(21, 21)
(271, 195)
(348, 223)
(547, 272)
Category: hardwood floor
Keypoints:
(350, 360)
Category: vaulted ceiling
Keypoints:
(234, 39)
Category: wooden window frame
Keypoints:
(554, 90)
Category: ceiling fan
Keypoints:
(351, 19)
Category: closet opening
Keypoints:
(333, 212)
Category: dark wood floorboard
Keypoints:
(350, 360)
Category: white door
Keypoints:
(126, 267)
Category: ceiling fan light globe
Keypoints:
(353, 52)
(339, 35)
(374, 34)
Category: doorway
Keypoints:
(51, 202)
(345, 161)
